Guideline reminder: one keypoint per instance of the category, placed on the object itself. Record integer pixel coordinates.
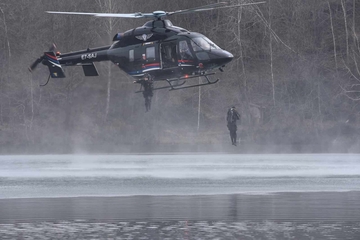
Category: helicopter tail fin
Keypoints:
(50, 60)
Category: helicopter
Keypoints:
(157, 51)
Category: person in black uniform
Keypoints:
(231, 118)
(148, 93)
(148, 84)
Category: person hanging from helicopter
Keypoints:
(148, 86)
(147, 83)
(231, 118)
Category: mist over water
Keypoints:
(119, 175)
(216, 166)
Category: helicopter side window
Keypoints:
(185, 52)
(168, 54)
(131, 55)
(150, 53)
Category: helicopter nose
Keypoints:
(222, 57)
(226, 57)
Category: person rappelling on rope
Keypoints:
(147, 84)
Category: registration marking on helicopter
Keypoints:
(88, 56)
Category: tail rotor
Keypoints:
(34, 65)
(41, 58)
(50, 60)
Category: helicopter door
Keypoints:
(168, 55)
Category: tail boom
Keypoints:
(85, 58)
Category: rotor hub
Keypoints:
(159, 14)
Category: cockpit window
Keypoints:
(203, 43)
(185, 52)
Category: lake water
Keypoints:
(221, 196)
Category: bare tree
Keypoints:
(346, 27)
(6, 32)
(333, 36)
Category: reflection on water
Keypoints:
(180, 197)
(330, 206)
(181, 230)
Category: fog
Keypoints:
(37, 176)
(182, 166)
(294, 93)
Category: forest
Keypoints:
(295, 79)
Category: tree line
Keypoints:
(295, 79)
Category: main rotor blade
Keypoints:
(144, 15)
(199, 9)
(126, 15)
(211, 7)
(240, 5)
(158, 14)
(119, 15)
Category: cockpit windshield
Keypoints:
(202, 44)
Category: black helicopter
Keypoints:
(157, 51)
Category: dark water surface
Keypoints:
(180, 197)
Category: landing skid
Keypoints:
(196, 85)
(178, 86)
(165, 87)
